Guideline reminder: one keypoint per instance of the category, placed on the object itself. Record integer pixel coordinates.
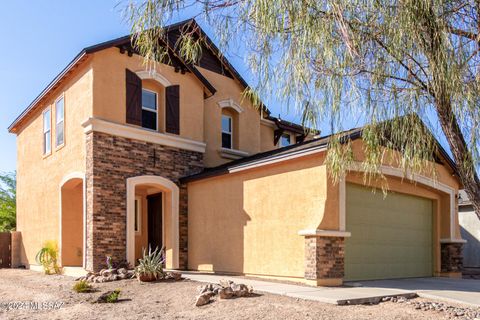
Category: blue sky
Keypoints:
(41, 38)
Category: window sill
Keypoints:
(232, 154)
(59, 147)
(46, 155)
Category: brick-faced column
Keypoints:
(183, 228)
(451, 258)
(111, 160)
(324, 260)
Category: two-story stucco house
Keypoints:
(112, 157)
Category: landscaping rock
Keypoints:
(226, 293)
(122, 271)
(227, 289)
(451, 312)
(225, 283)
(176, 276)
(203, 299)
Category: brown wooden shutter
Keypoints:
(134, 98)
(172, 106)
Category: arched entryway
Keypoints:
(152, 217)
(72, 220)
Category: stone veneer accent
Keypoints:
(324, 257)
(110, 161)
(451, 257)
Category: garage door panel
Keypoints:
(391, 236)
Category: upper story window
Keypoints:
(47, 132)
(149, 109)
(60, 122)
(226, 131)
(285, 140)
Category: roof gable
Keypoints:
(212, 59)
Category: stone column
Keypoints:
(324, 260)
(451, 259)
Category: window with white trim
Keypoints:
(227, 132)
(138, 214)
(47, 132)
(149, 109)
(285, 140)
(59, 122)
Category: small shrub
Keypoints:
(112, 264)
(48, 257)
(109, 262)
(113, 296)
(150, 266)
(82, 286)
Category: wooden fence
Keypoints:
(5, 249)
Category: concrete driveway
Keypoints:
(466, 291)
(454, 290)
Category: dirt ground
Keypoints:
(170, 300)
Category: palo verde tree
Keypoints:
(406, 61)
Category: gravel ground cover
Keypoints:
(26, 294)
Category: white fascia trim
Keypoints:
(229, 103)
(397, 172)
(453, 241)
(136, 133)
(279, 158)
(325, 233)
(144, 74)
(232, 153)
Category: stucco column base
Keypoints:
(324, 260)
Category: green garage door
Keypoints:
(391, 237)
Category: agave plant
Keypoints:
(150, 267)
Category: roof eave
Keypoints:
(12, 127)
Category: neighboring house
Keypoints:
(470, 230)
(112, 158)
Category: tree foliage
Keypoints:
(8, 201)
(333, 60)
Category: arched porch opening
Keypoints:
(152, 218)
(72, 221)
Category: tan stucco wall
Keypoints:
(38, 176)
(248, 131)
(266, 137)
(252, 218)
(109, 87)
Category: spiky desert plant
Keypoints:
(151, 265)
(48, 257)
